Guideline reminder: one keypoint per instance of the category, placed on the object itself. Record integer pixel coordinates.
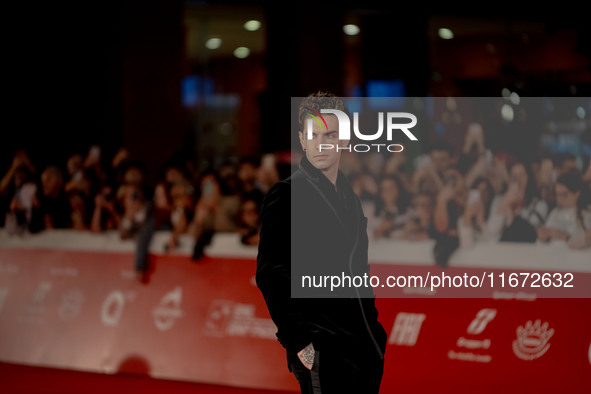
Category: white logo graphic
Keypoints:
(589, 353)
(473, 343)
(476, 326)
(71, 305)
(3, 295)
(469, 356)
(36, 305)
(406, 328)
(113, 306)
(168, 309)
(229, 318)
(532, 340)
(345, 125)
(483, 317)
(41, 292)
(34, 311)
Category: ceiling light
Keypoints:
(241, 52)
(213, 43)
(351, 30)
(446, 33)
(252, 25)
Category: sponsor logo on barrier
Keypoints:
(483, 317)
(473, 343)
(35, 310)
(227, 318)
(469, 356)
(532, 340)
(40, 293)
(168, 309)
(3, 295)
(406, 328)
(113, 307)
(70, 305)
(476, 327)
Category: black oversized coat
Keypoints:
(307, 225)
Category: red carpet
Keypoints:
(21, 379)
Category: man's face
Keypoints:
(318, 152)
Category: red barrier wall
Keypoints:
(207, 322)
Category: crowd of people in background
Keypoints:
(457, 197)
(88, 195)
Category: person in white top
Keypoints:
(515, 215)
(569, 219)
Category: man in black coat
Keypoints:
(313, 229)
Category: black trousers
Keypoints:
(338, 372)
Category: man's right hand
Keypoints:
(306, 356)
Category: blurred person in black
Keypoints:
(132, 197)
(586, 177)
(333, 345)
(449, 207)
(20, 172)
(215, 211)
(396, 165)
(77, 177)
(247, 179)
(20, 161)
(181, 211)
(429, 174)
(267, 173)
(249, 220)
(366, 188)
(516, 214)
(54, 200)
(472, 226)
(419, 224)
(391, 207)
(106, 215)
(20, 189)
(118, 165)
(545, 174)
(227, 174)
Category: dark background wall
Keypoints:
(111, 73)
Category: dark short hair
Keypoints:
(317, 101)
